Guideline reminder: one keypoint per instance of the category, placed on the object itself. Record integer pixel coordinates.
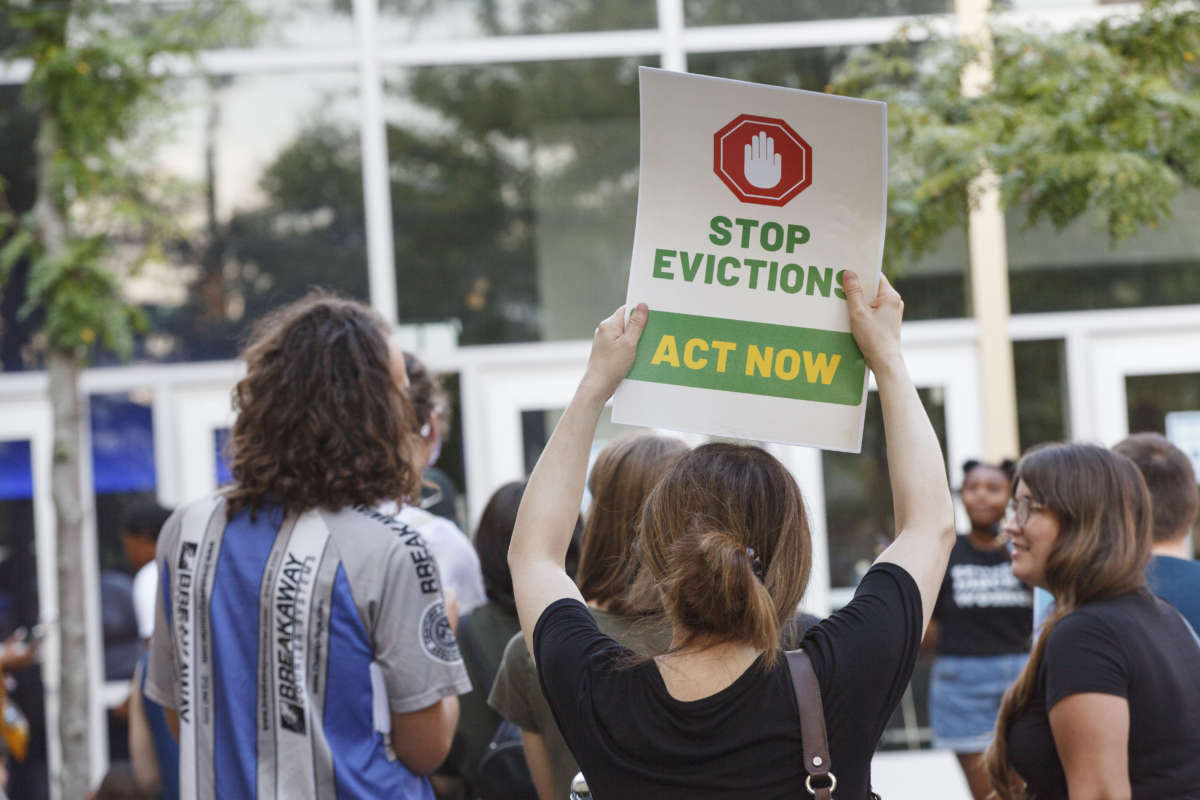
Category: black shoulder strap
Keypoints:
(820, 782)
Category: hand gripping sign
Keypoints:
(741, 263)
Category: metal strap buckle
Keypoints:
(808, 784)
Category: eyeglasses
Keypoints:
(1018, 511)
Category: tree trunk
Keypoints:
(73, 695)
(66, 485)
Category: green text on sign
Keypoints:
(750, 357)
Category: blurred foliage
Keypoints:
(1102, 120)
(97, 78)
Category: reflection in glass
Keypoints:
(1149, 398)
(270, 205)
(858, 495)
(1042, 402)
(19, 609)
(123, 473)
(736, 12)
(1077, 269)
(514, 190)
(301, 23)
(408, 20)
(18, 189)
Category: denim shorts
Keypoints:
(964, 697)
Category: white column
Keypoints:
(381, 268)
(989, 266)
(97, 713)
(670, 24)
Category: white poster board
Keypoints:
(752, 201)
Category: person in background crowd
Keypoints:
(981, 626)
(725, 536)
(622, 477)
(139, 537)
(438, 494)
(457, 560)
(121, 784)
(153, 751)
(1107, 705)
(28, 776)
(299, 624)
(484, 632)
(1172, 574)
(122, 648)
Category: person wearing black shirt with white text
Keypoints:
(981, 626)
(725, 536)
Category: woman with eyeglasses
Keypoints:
(725, 538)
(981, 626)
(1108, 705)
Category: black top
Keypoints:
(632, 739)
(982, 610)
(1133, 646)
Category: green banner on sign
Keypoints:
(750, 357)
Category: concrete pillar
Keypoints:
(989, 267)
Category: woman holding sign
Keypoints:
(725, 536)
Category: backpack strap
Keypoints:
(820, 782)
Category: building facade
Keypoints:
(469, 167)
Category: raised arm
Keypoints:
(550, 506)
(920, 492)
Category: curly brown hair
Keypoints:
(321, 421)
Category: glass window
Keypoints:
(300, 23)
(858, 495)
(734, 12)
(123, 474)
(934, 287)
(19, 609)
(454, 19)
(514, 192)
(268, 184)
(1042, 403)
(1076, 269)
(18, 190)
(1150, 397)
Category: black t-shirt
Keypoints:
(632, 739)
(982, 610)
(1133, 646)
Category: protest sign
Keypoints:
(752, 201)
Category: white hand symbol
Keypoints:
(763, 166)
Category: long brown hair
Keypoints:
(494, 534)
(1104, 515)
(698, 527)
(321, 421)
(622, 477)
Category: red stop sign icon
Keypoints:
(762, 160)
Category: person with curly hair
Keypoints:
(302, 646)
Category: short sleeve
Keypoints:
(414, 646)
(516, 695)
(569, 646)
(161, 684)
(864, 653)
(1083, 654)
(145, 592)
